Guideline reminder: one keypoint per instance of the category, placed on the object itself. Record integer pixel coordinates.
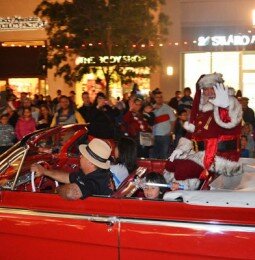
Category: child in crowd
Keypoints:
(155, 186)
(6, 133)
(179, 130)
(26, 124)
(247, 130)
(125, 162)
(244, 151)
(45, 117)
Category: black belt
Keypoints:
(223, 146)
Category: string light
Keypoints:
(176, 43)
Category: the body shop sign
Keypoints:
(230, 40)
(104, 60)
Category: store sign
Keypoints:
(104, 60)
(19, 24)
(230, 40)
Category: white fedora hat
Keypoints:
(97, 152)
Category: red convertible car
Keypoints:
(36, 223)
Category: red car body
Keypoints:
(42, 225)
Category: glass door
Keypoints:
(249, 87)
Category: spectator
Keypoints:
(45, 117)
(6, 133)
(123, 104)
(136, 91)
(179, 130)
(55, 101)
(84, 110)
(72, 99)
(93, 178)
(164, 120)
(248, 113)
(247, 130)
(239, 94)
(27, 103)
(12, 116)
(245, 153)
(125, 160)
(26, 124)
(66, 114)
(153, 185)
(148, 114)
(186, 101)
(49, 103)
(134, 124)
(173, 103)
(102, 118)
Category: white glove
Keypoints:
(221, 96)
(189, 127)
(175, 154)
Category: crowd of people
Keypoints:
(156, 126)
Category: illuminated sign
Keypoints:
(231, 40)
(103, 60)
(19, 24)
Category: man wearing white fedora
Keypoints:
(93, 178)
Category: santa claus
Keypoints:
(212, 142)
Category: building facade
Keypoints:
(204, 36)
(210, 36)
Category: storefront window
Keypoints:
(94, 82)
(29, 85)
(195, 64)
(248, 87)
(249, 62)
(227, 63)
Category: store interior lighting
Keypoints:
(253, 17)
(170, 71)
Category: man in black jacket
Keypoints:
(93, 178)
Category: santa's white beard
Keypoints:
(205, 105)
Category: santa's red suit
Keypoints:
(212, 143)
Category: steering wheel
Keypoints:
(41, 179)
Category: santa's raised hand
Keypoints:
(221, 96)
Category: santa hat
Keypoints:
(210, 80)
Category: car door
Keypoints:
(44, 226)
(165, 230)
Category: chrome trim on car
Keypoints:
(19, 169)
(213, 227)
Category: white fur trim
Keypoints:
(185, 145)
(189, 127)
(235, 114)
(231, 91)
(209, 80)
(220, 165)
(205, 105)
